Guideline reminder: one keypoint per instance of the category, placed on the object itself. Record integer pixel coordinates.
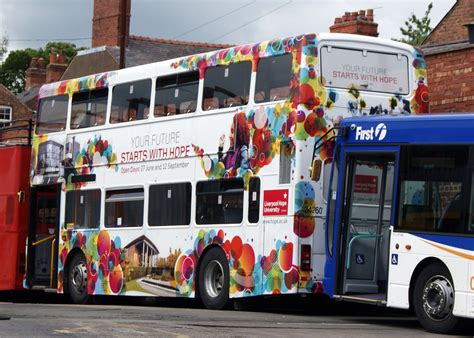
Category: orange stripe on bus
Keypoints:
(454, 252)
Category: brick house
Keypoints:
(12, 113)
(449, 54)
(105, 52)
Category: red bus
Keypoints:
(15, 155)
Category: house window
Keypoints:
(5, 116)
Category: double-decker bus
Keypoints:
(15, 153)
(189, 177)
(400, 227)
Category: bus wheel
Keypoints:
(433, 299)
(213, 283)
(77, 279)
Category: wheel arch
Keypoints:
(419, 268)
(198, 265)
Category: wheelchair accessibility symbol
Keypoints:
(394, 259)
(360, 259)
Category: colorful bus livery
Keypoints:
(189, 177)
(399, 229)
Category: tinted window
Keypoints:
(89, 108)
(432, 189)
(130, 101)
(52, 114)
(286, 149)
(227, 86)
(83, 208)
(254, 199)
(365, 70)
(170, 204)
(176, 94)
(273, 78)
(124, 208)
(219, 201)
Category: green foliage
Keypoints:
(13, 70)
(416, 30)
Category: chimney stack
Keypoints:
(36, 73)
(361, 23)
(106, 22)
(57, 66)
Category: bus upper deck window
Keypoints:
(176, 94)
(52, 114)
(89, 108)
(273, 78)
(130, 101)
(227, 86)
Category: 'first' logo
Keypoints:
(371, 134)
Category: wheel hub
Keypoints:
(214, 278)
(438, 297)
(79, 277)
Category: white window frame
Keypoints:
(6, 122)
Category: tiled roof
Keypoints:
(142, 50)
(178, 42)
(28, 95)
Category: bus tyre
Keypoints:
(77, 279)
(433, 300)
(213, 280)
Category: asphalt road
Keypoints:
(51, 315)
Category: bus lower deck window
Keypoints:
(124, 208)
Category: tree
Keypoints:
(13, 70)
(416, 30)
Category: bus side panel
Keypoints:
(14, 192)
(412, 250)
(9, 259)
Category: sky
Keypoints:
(32, 23)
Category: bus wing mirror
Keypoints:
(315, 170)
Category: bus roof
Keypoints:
(282, 45)
(418, 129)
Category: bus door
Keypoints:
(43, 236)
(365, 228)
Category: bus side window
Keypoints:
(273, 78)
(326, 177)
(286, 150)
(83, 208)
(432, 189)
(89, 108)
(124, 208)
(52, 114)
(227, 86)
(169, 204)
(129, 101)
(254, 200)
(220, 201)
(176, 94)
